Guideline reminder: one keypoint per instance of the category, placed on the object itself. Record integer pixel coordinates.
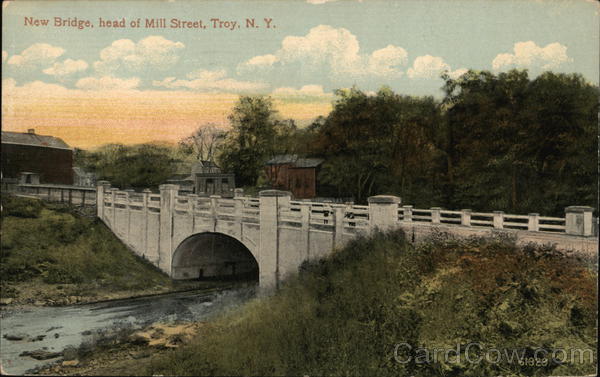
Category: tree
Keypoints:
(135, 166)
(512, 142)
(203, 143)
(252, 138)
(377, 143)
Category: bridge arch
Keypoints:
(212, 255)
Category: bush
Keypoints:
(20, 207)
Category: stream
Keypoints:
(53, 329)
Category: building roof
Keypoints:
(308, 162)
(281, 159)
(33, 139)
(297, 162)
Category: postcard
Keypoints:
(299, 187)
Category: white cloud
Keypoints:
(8, 84)
(261, 61)
(530, 55)
(336, 49)
(107, 83)
(155, 52)
(430, 67)
(210, 81)
(383, 61)
(4, 56)
(36, 55)
(305, 91)
(66, 68)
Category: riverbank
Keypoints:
(128, 355)
(53, 256)
(37, 293)
(90, 336)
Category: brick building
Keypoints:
(296, 174)
(36, 157)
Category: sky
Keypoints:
(90, 83)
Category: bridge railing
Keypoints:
(497, 219)
(74, 195)
(351, 218)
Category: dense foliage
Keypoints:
(56, 246)
(130, 166)
(493, 142)
(345, 315)
(256, 136)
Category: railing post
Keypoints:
(305, 227)
(238, 213)
(101, 188)
(533, 222)
(339, 212)
(383, 212)
(168, 193)
(578, 220)
(145, 199)
(128, 198)
(498, 219)
(268, 262)
(113, 206)
(436, 215)
(407, 213)
(214, 206)
(465, 217)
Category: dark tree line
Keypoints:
(493, 142)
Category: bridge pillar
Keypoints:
(167, 205)
(578, 220)
(101, 188)
(268, 253)
(383, 212)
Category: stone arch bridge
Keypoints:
(188, 236)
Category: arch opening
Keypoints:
(213, 256)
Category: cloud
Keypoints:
(305, 91)
(334, 49)
(210, 81)
(66, 68)
(430, 67)
(107, 83)
(36, 56)
(154, 52)
(261, 61)
(530, 55)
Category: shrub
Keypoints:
(20, 207)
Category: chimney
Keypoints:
(31, 131)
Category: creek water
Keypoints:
(75, 325)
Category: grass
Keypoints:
(48, 244)
(344, 315)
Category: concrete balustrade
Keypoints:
(281, 233)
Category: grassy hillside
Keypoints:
(346, 314)
(48, 246)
